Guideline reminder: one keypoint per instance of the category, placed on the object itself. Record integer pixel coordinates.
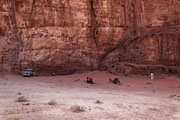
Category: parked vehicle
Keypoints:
(28, 73)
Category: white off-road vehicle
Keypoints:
(28, 73)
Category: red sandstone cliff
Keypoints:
(66, 36)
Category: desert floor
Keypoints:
(133, 99)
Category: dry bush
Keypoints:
(77, 108)
(2, 74)
(19, 93)
(98, 102)
(76, 80)
(15, 118)
(52, 102)
(21, 99)
(148, 83)
(172, 96)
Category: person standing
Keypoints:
(152, 75)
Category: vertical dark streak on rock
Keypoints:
(70, 13)
(62, 14)
(94, 29)
(50, 21)
(160, 48)
(33, 5)
(178, 50)
(13, 18)
(14, 24)
(125, 22)
(15, 38)
(65, 14)
(134, 16)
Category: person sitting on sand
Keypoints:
(110, 80)
(53, 74)
(89, 80)
(115, 81)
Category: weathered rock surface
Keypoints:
(66, 36)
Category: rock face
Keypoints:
(67, 36)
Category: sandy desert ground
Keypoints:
(133, 99)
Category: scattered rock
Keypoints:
(26, 104)
(77, 108)
(21, 99)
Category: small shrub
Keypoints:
(172, 96)
(77, 108)
(2, 75)
(148, 83)
(26, 104)
(14, 118)
(52, 102)
(21, 99)
(98, 102)
(19, 93)
(76, 80)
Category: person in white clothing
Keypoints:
(152, 75)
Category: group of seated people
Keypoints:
(115, 81)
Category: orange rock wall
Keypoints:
(67, 36)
